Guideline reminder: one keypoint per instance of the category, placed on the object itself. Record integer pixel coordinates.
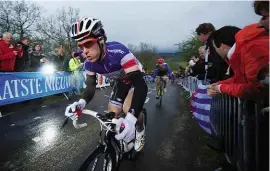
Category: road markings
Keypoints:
(147, 100)
(106, 95)
(12, 125)
(37, 118)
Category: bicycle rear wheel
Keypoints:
(99, 160)
(160, 101)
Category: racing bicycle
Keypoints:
(109, 151)
(161, 90)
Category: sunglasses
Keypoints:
(264, 17)
(88, 44)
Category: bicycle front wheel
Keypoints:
(99, 160)
(161, 94)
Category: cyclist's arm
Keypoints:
(90, 89)
(131, 68)
(155, 73)
(169, 70)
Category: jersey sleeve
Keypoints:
(88, 68)
(128, 60)
(169, 69)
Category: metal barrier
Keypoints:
(242, 126)
(236, 122)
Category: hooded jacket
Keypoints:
(247, 57)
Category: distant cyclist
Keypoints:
(115, 61)
(162, 70)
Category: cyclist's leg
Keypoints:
(165, 81)
(140, 127)
(126, 107)
(118, 96)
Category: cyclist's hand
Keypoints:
(70, 110)
(125, 127)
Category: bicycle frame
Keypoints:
(107, 142)
(161, 90)
(113, 149)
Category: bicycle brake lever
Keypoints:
(65, 122)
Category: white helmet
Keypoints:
(87, 27)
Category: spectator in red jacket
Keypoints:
(262, 8)
(246, 57)
(8, 53)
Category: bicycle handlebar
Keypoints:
(105, 120)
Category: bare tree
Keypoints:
(18, 17)
(25, 16)
(132, 48)
(6, 17)
(67, 18)
(57, 28)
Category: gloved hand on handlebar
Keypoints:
(125, 127)
(70, 110)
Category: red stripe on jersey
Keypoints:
(129, 64)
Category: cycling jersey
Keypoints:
(117, 58)
(162, 70)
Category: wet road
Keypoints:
(34, 140)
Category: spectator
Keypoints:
(77, 53)
(58, 58)
(74, 66)
(217, 67)
(191, 63)
(8, 53)
(262, 8)
(247, 51)
(37, 58)
(66, 64)
(199, 68)
(21, 63)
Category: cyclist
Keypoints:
(162, 70)
(115, 61)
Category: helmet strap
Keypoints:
(101, 48)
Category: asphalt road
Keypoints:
(32, 140)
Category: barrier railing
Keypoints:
(190, 84)
(21, 86)
(242, 128)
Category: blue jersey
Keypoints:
(117, 58)
(162, 70)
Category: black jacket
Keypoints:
(57, 61)
(199, 69)
(35, 63)
(21, 64)
(217, 67)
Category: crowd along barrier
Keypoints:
(242, 127)
(21, 86)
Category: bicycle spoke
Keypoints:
(92, 159)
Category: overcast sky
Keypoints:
(159, 23)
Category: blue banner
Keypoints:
(21, 86)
